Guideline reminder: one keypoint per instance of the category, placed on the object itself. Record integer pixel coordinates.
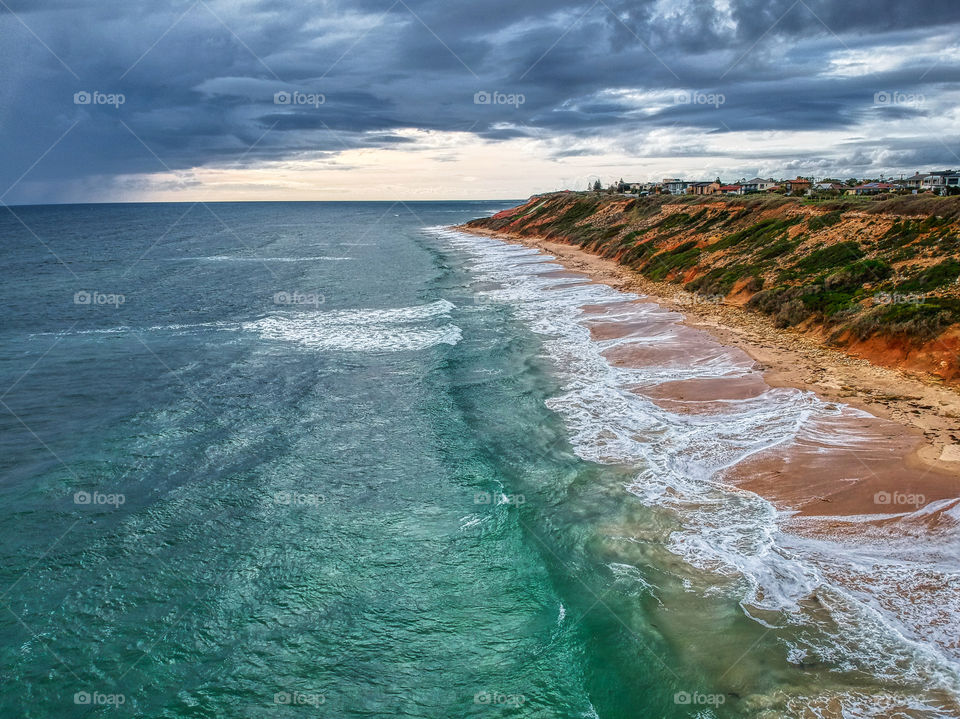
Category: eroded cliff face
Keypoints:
(876, 278)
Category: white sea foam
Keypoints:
(317, 333)
(362, 330)
(862, 705)
(472, 520)
(359, 330)
(392, 315)
(236, 258)
(734, 534)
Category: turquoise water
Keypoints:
(296, 459)
(381, 587)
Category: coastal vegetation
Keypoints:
(880, 270)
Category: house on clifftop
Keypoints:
(759, 184)
(911, 183)
(675, 186)
(797, 187)
(937, 181)
(704, 188)
(871, 188)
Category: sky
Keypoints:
(186, 100)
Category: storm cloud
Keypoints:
(95, 90)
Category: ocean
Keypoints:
(335, 459)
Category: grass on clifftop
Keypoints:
(860, 266)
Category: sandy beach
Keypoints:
(906, 449)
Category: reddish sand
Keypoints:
(876, 472)
(849, 480)
(685, 395)
(924, 408)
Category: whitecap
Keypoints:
(391, 329)
(736, 535)
(236, 258)
(362, 330)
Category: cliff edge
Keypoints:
(877, 279)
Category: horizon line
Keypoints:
(260, 202)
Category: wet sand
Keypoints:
(846, 465)
(922, 405)
(864, 528)
(863, 492)
(878, 466)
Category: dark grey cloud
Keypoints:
(199, 77)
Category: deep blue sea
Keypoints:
(332, 460)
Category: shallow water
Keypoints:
(850, 625)
(332, 459)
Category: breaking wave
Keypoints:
(736, 536)
(358, 330)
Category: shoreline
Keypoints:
(928, 411)
(812, 507)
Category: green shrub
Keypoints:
(680, 257)
(933, 277)
(946, 207)
(757, 234)
(901, 232)
(635, 254)
(719, 217)
(580, 210)
(670, 222)
(735, 218)
(830, 256)
(826, 302)
(720, 280)
(790, 305)
(780, 248)
(917, 323)
(932, 222)
(821, 221)
(857, 274)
